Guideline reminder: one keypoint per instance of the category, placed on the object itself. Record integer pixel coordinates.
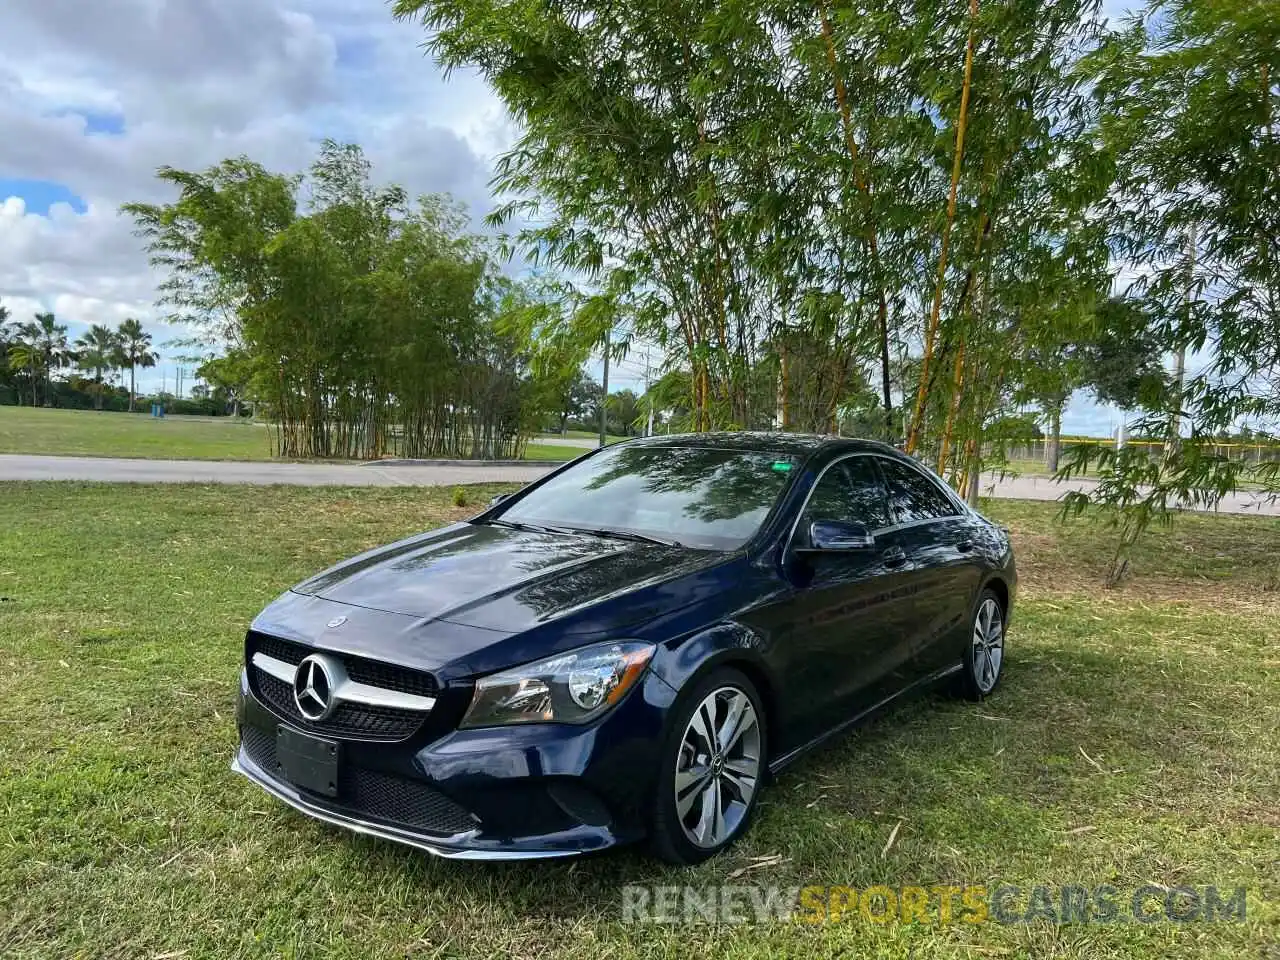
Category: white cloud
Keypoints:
(191, 82)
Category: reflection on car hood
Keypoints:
(506, 580)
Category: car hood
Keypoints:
(510, 581)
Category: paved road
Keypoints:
(1045, 488)
(25, 467)
(110, 470)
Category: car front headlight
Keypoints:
(571, 687)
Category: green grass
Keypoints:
(100, 434)
(551, 451)
(123, 833)
(587, 435)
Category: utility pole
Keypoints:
(604, 399)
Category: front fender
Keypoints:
(723, 643)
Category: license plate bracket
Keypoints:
(306, 761)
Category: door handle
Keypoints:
(894, 557)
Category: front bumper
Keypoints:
(503, 793)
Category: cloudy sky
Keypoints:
(94, 96)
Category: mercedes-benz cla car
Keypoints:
(626, 649)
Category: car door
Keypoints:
(934, 535)
(849, 636)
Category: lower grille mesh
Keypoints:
(359, 720)
(379, 796)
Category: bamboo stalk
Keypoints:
(962, 311)
(873, 245)
(957, 392)
(786, 386)
(931, 331)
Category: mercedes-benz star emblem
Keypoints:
(336, 622)
(312, 688)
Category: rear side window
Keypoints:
(912, 495)
(851, 491)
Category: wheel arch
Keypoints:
(997, 585)
(727, 645)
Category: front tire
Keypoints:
(984, 656)
(712, 771)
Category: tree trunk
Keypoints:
(1180, 358)
(864, 187)
(784, 399)
(886, 384)
(931, 331)
(974, 469)
(953, 409)
(1054, 445)
(133, 390)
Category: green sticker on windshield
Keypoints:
(782, 466)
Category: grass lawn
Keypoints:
(101, 434)
(552, 451)
(1133, 741)
(587, 435)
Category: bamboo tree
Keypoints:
(872, 241)
(935, 313)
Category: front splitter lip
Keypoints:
(248, 769)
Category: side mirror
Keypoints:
(835, 535)
(494, 501)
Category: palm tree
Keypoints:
(24, 355)
(52, 342)
(99, 352)
(41, 348)
(134, 343)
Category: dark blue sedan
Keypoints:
(627, 649)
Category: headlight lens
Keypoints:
(572, 687)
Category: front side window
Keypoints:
(701, 497)
(912, 495)
(850, 491)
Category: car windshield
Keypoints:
(700, 497)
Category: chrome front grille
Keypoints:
(371, 700)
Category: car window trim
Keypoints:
(962, 509)
(817, 480)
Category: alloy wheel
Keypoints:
(718, 768)
(988, 645)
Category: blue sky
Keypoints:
(95, 96)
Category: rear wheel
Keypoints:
(984, 657)
(712, 770)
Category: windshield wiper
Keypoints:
(625, 535)
(513, 525)
(600, 532)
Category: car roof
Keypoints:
(772, 442)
